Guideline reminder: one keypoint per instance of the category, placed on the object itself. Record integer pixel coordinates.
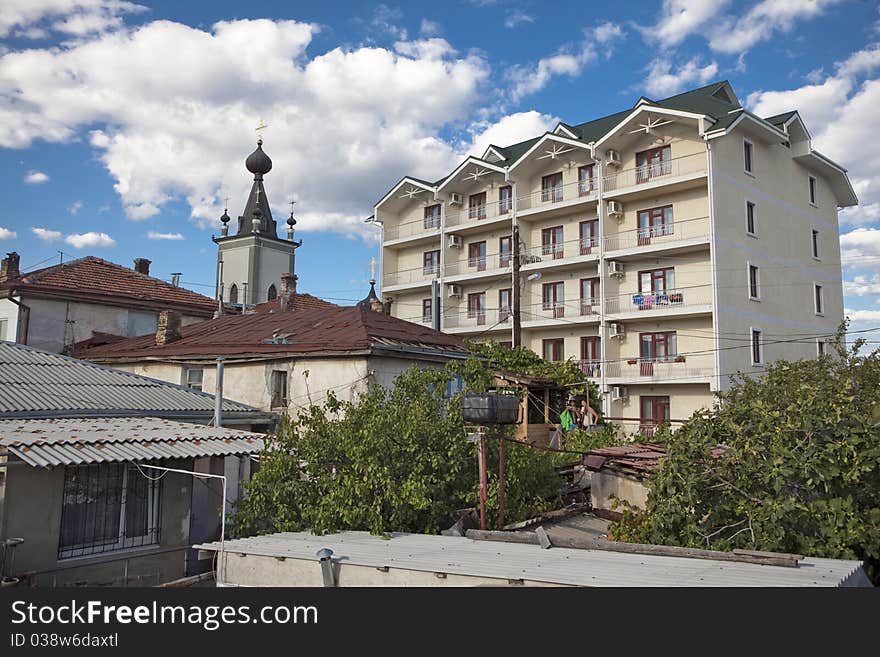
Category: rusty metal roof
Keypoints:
(640, 458)
(67, 441)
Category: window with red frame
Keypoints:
(551, 188)
(432, 216)
(553, 349)
(653, 163)
(654, 222)
(477, 206)
(477, 255)
(431, 261)
(590, 355)
(657, 281)
(589, 231)
(505, 199)
(586, 182)
(505, 248)
(589, 295)
(551, 242)
(653, 411)
(476, 304)
(504, 304)
(427, 315)
(553, 298)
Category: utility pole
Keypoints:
(517, 317)
(501, 440)
(484, 479)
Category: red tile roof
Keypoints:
(303, 330)
(99, 281)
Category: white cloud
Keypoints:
(429, 28)
(569, 60)
(517, 17)
(864, 316)
(95, 240)
(607, 32)
(343, 125)
(860, 243)
(661, 81)
(863, 286)
(725, 32)
(36, 177)
(46, 235)
(75, 207)
(75, 17)
(510, 130)
(387, 20)
(6, 234)
(153, 235)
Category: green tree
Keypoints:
(801, 470)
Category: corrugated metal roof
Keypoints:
(47, 443)
(33, 381)
(505, 561)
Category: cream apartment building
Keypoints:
(664, 248)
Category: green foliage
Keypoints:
(393, 460)
(801, 472)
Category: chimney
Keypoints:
(288, 290)
(175, 279)
(9, 267)
(169, 327)
(142, 266)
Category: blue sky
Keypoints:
(124, 124)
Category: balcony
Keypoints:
(680, 169)
(660, 237)
(475, 217)
(558, 196)
(497, 264)
(478, 321)
(560, 253)
(688, 300)
(591, 368)
(674, 369)
(558, 313)
(409, 278)
(411, 231)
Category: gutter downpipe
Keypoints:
(218, 394)
(24, 319)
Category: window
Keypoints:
(505, 248)
(504, 304)
(477, 255)
(589, 295)
(553, 349)
(551, 242)
(654, 222)
(659, 346)
(233, 294)
(192, 377)
(427, 315)
(815, 243)
(279, 388)
(812, 183)
(505, 199)
(431, 262)
(477, 206)
(652, 163)
(820, 347)
(271, 293)
(658, 281)
(477, 307)
(432, 216)
(817, 298)
(553, 298)
(586, 182)
(653, 411)
(590, 355)
(107, 507)
(551, 188)
(754, 284)
(757, 347)
(750, 218)
(748, 156)
(589, 235)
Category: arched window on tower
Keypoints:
(272, 293)
(233, 294)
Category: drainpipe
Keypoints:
(24, 319)
(218, 394)
(325, 556)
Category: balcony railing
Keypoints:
(492, 262)
(670, 232)
(411, 229)
(679, 166)
(483, 212)
(592, 368)
(406, 276)
(572, 309)
(559, 251)
(672, 367)
(670, 299)
(549, 196)
(483, 318)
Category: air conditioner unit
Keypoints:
(616, 330)
(455, 290)
(615, 268)
(615, 209)
(455, 198)
(619, 393)
(454, 242)
(612, 157)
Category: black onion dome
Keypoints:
(290, 220)
(225, 217)
(258, 163)
(371, 298)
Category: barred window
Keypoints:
(107, 507)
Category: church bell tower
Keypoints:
(250, 262)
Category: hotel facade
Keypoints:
(664, 248)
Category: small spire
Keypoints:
(290, 220)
